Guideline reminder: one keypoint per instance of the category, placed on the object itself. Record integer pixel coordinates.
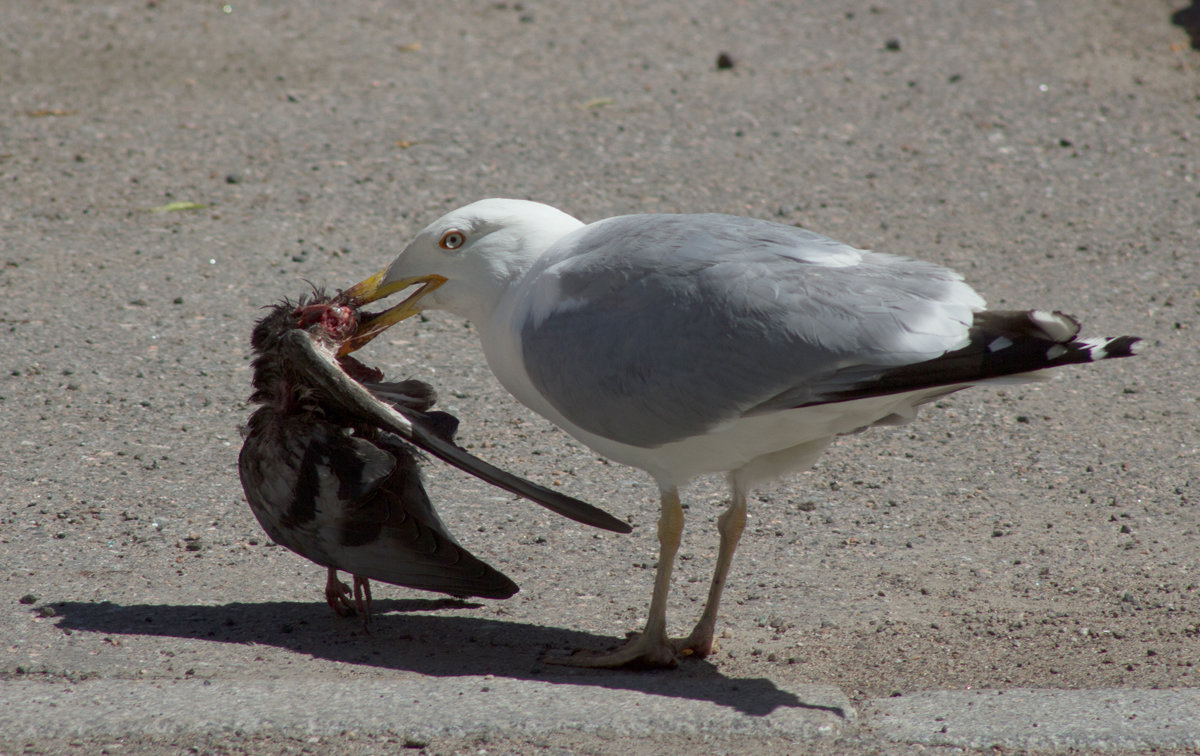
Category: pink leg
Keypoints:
(362, 590)
(336, 595)
(363, 598)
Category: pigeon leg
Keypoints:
(362, 598)
(336, 593)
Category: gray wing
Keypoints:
(650, 328)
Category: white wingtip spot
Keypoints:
(1056, 351)
(998, 343)
(1096, 346)
(1099, 347)
(1058, 327)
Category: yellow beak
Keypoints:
(372, 289)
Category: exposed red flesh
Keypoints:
(339, 321)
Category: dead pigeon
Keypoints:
(330, 467)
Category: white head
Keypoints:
(466, 259)
(480, 249)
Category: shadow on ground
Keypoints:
(403, 639)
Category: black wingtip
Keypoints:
(559, 503)
(1123, 346)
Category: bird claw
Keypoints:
(641, 652)
(337, 595)
(688, 647)
(698, 644)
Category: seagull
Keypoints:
(330, 468)
(707, 343)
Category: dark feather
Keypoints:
(330, 463)
(332, 487)
(358, 505)
(1001, 344)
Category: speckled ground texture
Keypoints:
(1031, 538)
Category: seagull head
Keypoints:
(461, 263)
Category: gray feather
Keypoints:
(755, 309)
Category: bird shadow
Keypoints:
(405, 635)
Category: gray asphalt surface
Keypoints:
(1017, 568)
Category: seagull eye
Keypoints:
(452, 240)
